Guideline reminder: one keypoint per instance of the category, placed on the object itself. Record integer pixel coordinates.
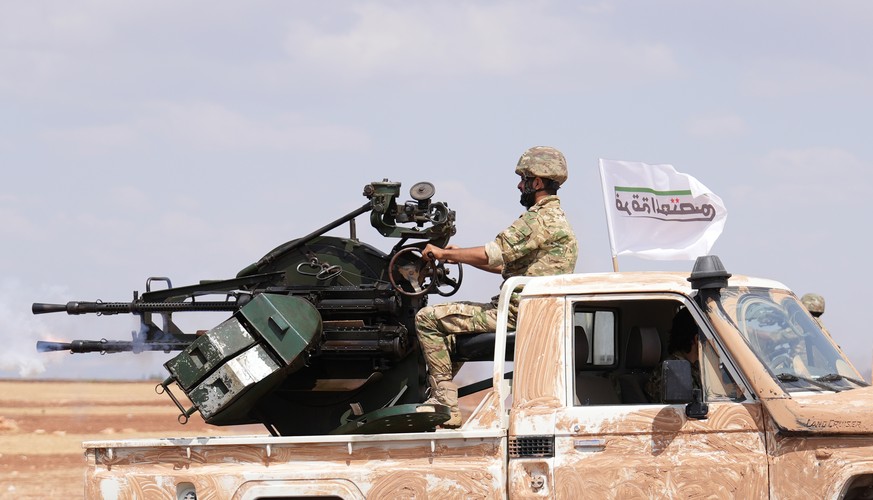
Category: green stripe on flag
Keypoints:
(650, 190)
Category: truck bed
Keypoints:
(469, 463)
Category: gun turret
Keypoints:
(317, 324)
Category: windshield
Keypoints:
(788, 340)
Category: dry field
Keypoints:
(43, 424)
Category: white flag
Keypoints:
(655, 212)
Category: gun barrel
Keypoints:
(39, 308)
(132, 307)
(107, 346)
(43, 346)
(76, 307)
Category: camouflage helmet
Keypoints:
(543, 161)
(814, 303)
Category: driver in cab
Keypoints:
(539, 243)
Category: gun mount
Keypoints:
(321, 328)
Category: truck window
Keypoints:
(788, 340)
(619, 345)
(718, 384)
(599, 328)
(594, 341)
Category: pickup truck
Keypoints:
(780, 412)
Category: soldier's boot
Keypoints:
(446, 393)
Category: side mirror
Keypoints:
(678, 387)
(677, 381)
(697, 409)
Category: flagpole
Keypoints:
(608, 220)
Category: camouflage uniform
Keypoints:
(539, 243)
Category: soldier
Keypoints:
(539, 243)
(814, 303)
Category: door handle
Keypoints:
(589, 445)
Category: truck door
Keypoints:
(614, 439)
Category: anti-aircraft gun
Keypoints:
(321, 336)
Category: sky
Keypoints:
(187, 139)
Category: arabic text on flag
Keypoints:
(655, 212)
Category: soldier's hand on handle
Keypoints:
(433, 252)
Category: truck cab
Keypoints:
(780, 411)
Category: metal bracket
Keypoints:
(162, 388)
